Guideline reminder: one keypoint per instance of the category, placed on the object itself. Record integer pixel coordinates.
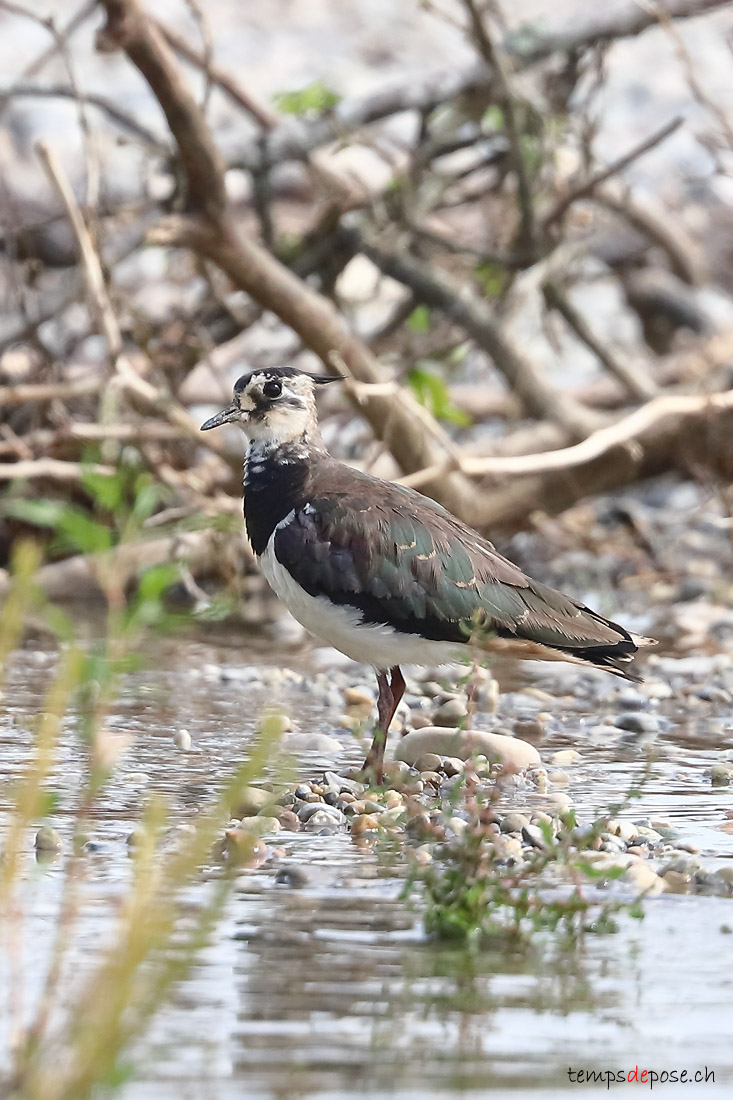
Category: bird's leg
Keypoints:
(398, 690)
(390, 694)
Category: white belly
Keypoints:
(342, 627)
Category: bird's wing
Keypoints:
(400, 559)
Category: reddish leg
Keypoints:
(390, 695)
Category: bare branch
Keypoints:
(585, 190)
(129, 29)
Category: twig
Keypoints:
(586, 189)
(262, 115)
(115, 113)
(494, 58)
(90, 259)
(661, 230)
(52, 468)
(636, 380)
(128, 28)
(537, 395)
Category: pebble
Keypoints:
(453, 766)
(558, 779)
(450, 712)
(342, 784)
(535, 837)
(531, 729)
(312, 742)
(625, 829)
(358, 697)
(289, 820)
(721, 775)
(457, 826)
(565, 756)
(428, 762)
(325, 814)
(251, 800)
(259, 824)
(637, 722)
(644, 878)
(291, 875)
(510, 751)
(274, 723)
(514, 823)
(182, 740)
(364, 823)
(48, 840)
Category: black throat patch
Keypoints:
(274, 484)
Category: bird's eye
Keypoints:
(272, 389)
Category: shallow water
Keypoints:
(333, 989)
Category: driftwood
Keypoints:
(641, 418)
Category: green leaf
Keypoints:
(83, 532)
(309, 102)
(493, 119)
(491, 278)
(155, 581)
(432, 392)
(107, 492)
(38, 513)
(419, 319)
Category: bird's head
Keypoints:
(273, 406)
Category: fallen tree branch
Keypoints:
(51, 468)
(669, 433)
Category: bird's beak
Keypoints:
(226, 416)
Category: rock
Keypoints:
(418, 720)
(290, 875)
(531, 729)
(509, 751)
(312, 742)
(644, 878)
(450, 712)
(624, 829)
(259, 825)
(428, 762)
(721, 775)
(274, 723)
(457, 826)
(676, 882)
(434, 779)
(514, 823)
(565, 756)
(251, 800)
(452, 766)
(364, 823)
(558, 779)
(534, 836)
(48, 840)
(326, 814)
(182, 740)
(393, 800)
(288, 820)
(637, 722)
(323, 819)
(357, 697)
(340, 783)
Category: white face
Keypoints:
(271, 408)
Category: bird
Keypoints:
(383, 573)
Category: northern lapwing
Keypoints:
(381, 572)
